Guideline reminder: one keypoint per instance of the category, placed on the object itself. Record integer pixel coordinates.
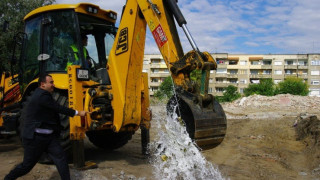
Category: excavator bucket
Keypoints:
(204, 119)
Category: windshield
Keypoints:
(50, 33)
(68, 38)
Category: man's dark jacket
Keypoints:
(43, 112)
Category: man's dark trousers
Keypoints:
(33, 149)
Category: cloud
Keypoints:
(246, 26)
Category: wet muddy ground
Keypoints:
(252, 149)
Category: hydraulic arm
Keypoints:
(204, 118)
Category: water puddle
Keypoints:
(174, 155)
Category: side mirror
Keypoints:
(5, 26)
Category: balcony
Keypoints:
(232, 76)
(302, 67)
(290, 66)
(158, 65)
(266, 67)
(233, 66)
(255, 66)
(223, 75)
(260, 76)
(222, 65)
(221, 84)
(303, 76)
(290, 75)
(159, 74)
(154, 83)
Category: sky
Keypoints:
(242, 26)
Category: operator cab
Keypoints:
(55, 31)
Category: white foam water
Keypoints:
(174, 155)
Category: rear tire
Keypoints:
(107, 139)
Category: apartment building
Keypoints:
(242, 69)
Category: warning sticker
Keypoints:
(159, 36)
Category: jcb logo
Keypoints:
(122, 45)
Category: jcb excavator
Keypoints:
(110, 83)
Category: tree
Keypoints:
(165, 89)
(230, 94)
(13, 11)
(265, 87)
(294, 86)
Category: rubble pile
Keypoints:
(308, 125)
(257, 106)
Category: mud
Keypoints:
(255, 147)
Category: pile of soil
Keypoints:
(308, 131)
(268, 107)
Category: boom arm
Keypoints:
(126, 59)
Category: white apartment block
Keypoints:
(242, 69)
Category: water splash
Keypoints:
(174, 155)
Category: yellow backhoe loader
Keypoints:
(107, 80)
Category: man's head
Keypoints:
(45, 82)
(84, 39)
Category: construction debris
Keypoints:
(268, 107)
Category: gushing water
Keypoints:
(174, 155)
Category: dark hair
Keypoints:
(43, 78)
(83, 36)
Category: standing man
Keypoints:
(41, 130)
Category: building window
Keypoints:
(241, 90)
(233, 81)
(303, 63)
(210, 80)
(166, 70)
(266, 62)
(314, 92)
(243, 81)
(146, 61)
(315, 62)
(154, 80)
(221, 70)
(255, 63)
(219, 89)
(276, 81)
(144, 70)
(253, 71)
(220, 61)
(233, 71)
(289, 71)
(266, 71)
(155, 61)
(155, 70)
(315, 72)
(278, 72)
(233, 62)
(289, 62)
(211, 71)
(277, 63)
(219, 80)
(243, 63)
(210, 90)
(255, 81)
(315, 82)
(154, 88)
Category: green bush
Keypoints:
(165, 89)
(265, 87)
(230, 94)
(294, 86)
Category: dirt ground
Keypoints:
(254, 148)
